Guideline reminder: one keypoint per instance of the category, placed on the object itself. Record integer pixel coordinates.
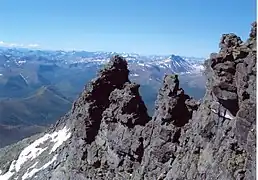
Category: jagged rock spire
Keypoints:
(102, 130)
(218, 142)
(171, 103)
(108, 119)
(94, 100)
(109, 135)
(162, 135)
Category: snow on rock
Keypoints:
(32, 172)
(135, 74)
(24, 78)
(34, 150)
(30, 152)
(226, 114)
(59, 137)
(10, 173)
(21, 62)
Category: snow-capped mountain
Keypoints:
(170, 63)
(177, 64)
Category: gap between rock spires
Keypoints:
(109, 135)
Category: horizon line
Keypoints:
(97, 51)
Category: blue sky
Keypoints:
(184, 27)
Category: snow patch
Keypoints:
(30, 152)
(59, 138)
(177, 63)
(31, 173)
(167, 60)
(33, 150)
(135, 75)
(198, 68)
(35, 170)
(213, 110)
(147, 65)
(10, 172)
(24, 78)
(22, 62)
(228, 115)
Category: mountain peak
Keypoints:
(109, 135)
(116, 62)
(174, 56)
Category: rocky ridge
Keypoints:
(109, 135)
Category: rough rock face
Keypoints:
(173, 111)
(109, 135)
(99, 138)
(219, 141)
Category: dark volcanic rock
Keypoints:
(109, 135)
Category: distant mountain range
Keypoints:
(176, 64)
(37, 87)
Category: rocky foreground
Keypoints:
(109, 135)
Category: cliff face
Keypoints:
(109, 135)
(218, 142)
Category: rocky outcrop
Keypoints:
(109, 135)
(101, 137)
(219, 141)
(114, 115)
(173, 111)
